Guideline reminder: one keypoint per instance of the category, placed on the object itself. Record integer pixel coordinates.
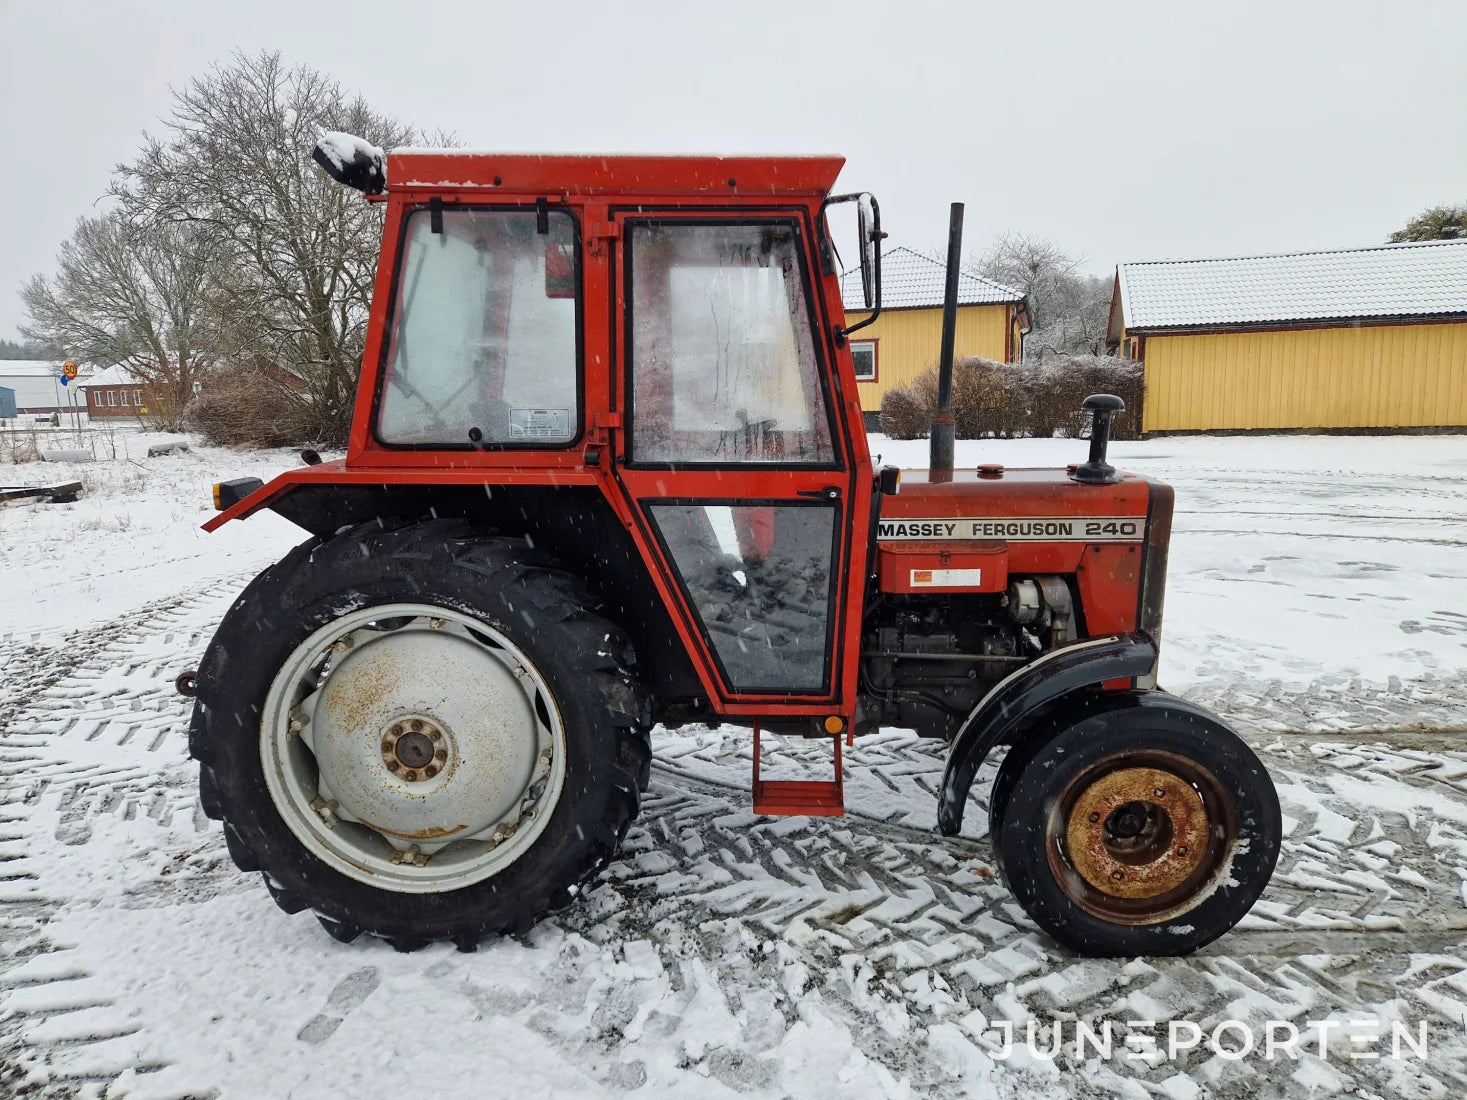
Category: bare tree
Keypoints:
(298, 251)
(130, 294)
(1068, 309)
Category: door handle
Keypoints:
(830, 492)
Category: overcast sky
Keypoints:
(1121, 130)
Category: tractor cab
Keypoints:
(608, 469)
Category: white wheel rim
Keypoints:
(412, 747)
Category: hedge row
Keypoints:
(1006, 400)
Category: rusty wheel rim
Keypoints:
(1140, 838)
(412, 747)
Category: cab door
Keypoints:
(732, 455)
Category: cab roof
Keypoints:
(460, 170)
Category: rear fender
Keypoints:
(328, 496)
(1003, 714)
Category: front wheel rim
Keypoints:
(1141, 838)
(412, 747)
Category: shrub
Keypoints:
(249, 406)
(1003, 400)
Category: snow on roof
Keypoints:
(110, 376)
(32, 368)
(1394, 280)
(911, 280)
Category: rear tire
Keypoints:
(1143, 827)
(502, 606)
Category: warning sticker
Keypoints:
(946, 578)
(539, 424)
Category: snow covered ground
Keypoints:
(1316, 598)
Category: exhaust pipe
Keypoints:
(940, 461)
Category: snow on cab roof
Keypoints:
(913, 280)
(1393, 280)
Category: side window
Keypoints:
(723, 362)
(759, 578)
(484, 332)
(863, 354)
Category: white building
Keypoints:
(38, 388)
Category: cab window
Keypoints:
(723, 362)
(484, 334)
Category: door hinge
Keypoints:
(604, 231)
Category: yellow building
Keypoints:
(1356, 338)
(906, 337)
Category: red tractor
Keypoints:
(608, 469)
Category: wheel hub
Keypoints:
(1137, 833)
(414, 749)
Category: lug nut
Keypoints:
(397, 730)
(417, 726)
(429, 772)
(1182, 850)
(1116, 876)
(392, 766)
(436, 735)
(1094, 818)
(1160, 792)
(386, 746)
(411, 777)
(440, 756)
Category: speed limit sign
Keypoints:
(68, 370)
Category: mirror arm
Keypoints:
(841, 332)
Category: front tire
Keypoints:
(419, 733)
(1143, 827)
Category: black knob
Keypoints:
(1101, 407)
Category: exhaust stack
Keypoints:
(940, 460)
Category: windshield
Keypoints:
(485, 332)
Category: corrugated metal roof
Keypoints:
(911, 280)
(1395, 280)
(30, 368)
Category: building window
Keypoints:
(137, 398)
(863, 354)
(97, 397)
(124, 398)
(111, 397)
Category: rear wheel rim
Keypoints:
(1141, 838)
(412, 747)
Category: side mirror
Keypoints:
(352, 161)
(870, 236)
(868, 226)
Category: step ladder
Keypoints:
(807, 797)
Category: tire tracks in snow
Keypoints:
(89, 727)
(891, 921)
